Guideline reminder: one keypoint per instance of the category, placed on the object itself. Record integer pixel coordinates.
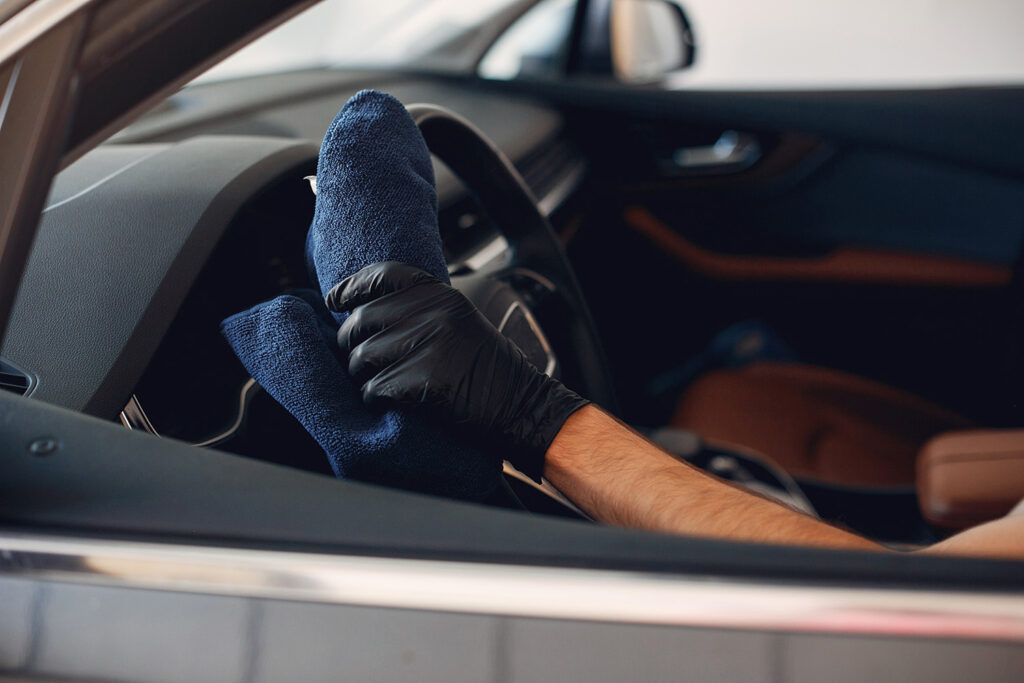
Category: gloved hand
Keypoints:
(412, 339)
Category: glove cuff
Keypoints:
(541, 423)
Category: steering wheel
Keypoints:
(530, 292)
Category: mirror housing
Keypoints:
(648, 39)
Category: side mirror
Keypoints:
(649, 38)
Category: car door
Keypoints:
(839, 174)
(125, 556)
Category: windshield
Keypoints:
(361, 33)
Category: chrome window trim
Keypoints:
(520, 591)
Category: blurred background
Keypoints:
(750, 44)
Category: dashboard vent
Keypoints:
(14, 379)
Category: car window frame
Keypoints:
(74, 128)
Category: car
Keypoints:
(742, 271)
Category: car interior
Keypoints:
(816, 295)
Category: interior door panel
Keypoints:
(878, 233)
(857, 198)
(811, 198)
(845, 264)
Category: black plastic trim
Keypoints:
(130, 247)
(105, 481)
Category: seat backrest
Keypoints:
(965, 478)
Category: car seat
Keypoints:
(815, 423)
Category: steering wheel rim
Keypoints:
(532, 245)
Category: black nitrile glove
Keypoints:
(412, 339)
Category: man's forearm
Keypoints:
(619, 477)
(442, 352)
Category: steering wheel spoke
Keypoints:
(534, 286)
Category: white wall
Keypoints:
(741, 43)
(855, 43)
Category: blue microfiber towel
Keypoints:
(375, 202)
(375, 194)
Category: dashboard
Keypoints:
(149, 241)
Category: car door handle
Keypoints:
(733, 151)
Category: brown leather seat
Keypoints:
(816, 423)
(966, 478)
